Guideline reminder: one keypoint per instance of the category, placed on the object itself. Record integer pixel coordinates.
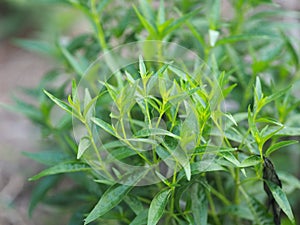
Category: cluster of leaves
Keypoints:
(222, 187)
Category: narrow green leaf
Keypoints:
(62, 168)
(155, 131)
(243, 37)
(142, 67)
(182, 158)
(290, 182)
(72, 61)
(292, 50)
(28, 110)
(84, 144)
(87, 112)
(282, 200)
(277, 95)
(231, 118)
(259, 212)
(120, 153)
(178, 22)
(147, 11)
(206, 166)
(214, 15)
(74, 91)
(258, 89)
(250, 161)
(157, 207)
(241, 211)
(111, 90)
(113, 196)
(149, 27)
(199, 204)
(231, 158)
(279, 145)
(59, 102)
(105, 126)
(140, 219)
(134, 203)
(48, 157)
(40, 191)
(161, 18)
(36, 46)
(289, 131)
(88, 108)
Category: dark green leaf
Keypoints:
(36, 46)
(40, 190)
(199, 204)
(49, 157)
(114, 195)
(250, 161)
(62, 168)
(140, 219)
(105, 126)
(279, 145)
(72, 61)
(281, 199)
(157, 207)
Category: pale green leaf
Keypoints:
(84, 144)
(182, 158)
(142, 67)
(213, 37)
(161, 18)
(258, 89)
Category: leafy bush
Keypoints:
(164, 137)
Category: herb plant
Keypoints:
(160, 133)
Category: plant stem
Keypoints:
(100, 33)
(213, 209)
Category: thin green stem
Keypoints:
(213, 209)
(172, 204)
(100, 33)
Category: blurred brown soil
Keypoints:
(18, 68)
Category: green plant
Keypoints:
(156, 144)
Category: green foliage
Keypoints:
(202, 164)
